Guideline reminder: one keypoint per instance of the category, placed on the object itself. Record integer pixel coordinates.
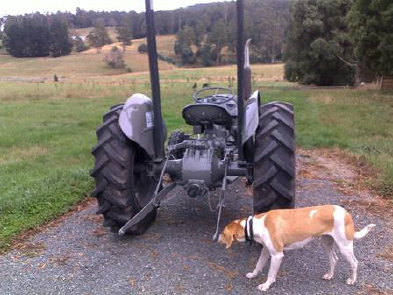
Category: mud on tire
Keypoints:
(274, 158)
(121, 190)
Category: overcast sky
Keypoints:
(14, 7)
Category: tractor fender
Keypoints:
(137, 122)
(252, 117)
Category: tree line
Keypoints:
(212, 27)
(209, 35)
(37, 35)
(329, 42)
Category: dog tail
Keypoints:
(360, 234)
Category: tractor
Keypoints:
(234, 135)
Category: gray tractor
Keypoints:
(233, 136)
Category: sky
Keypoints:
(15, 7)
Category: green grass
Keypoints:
(44, 159)
(358, 121)
(48, 129)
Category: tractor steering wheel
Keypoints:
(216, 95)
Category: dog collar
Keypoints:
(248, 229)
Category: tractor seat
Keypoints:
(206, 113)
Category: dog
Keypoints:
(288, 229)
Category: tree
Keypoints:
(124, 33)
(114, 58)
(206, 55)
(79, 44)
(371, 27)
(27, 36)
(98, 37)
(82, 19)
(183, 45)
(219, 37)
(318, 43)
(14, 37)
(1, 32)
(60, 43)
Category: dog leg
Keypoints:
(328, 244)
(347, 252)
(274, 267)
(263, 258)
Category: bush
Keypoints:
(165, 58)
(142, 48)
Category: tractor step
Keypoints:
(150, 207)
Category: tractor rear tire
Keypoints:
(274, 158)
(121, 189)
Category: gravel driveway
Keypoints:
(176, 255)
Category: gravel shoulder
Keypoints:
(176, 255)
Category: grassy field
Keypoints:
(47, 129)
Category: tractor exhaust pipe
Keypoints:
(240, 82)
(158, 131)
(247, 71)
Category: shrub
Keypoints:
(142, 48)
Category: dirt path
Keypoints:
(176, 255)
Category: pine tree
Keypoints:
(318, 43)
(183, 45)
(371, 25)
(27, 36)
(219, 37)
(14, 38)
(60, 43)
(124, 33)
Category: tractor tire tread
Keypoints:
(274, 159)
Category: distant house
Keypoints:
(74, 37)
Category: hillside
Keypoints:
(87, 63)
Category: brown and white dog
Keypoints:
(288, 229)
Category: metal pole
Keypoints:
(240, 65)
(158, 131)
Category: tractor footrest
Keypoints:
(151, 206)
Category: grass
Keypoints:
(47, 129)
(80, 65)
(358, 121)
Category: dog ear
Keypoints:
(233, 232)
(226, 238)
(229, 240)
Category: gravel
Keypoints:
(176, 255)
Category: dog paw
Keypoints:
(327, 276)
(251, 275)
(350, 281)
(263, 287)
